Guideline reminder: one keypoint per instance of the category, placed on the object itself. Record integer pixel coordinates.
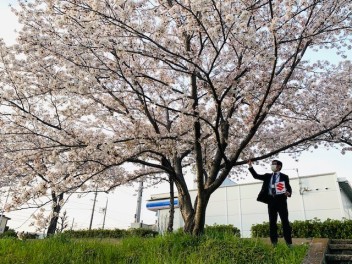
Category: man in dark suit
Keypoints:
(275, 190)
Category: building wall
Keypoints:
(316, 196)
(319, 196)
(346, 205)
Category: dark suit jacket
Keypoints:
(263, 195)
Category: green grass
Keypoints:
(175, 248)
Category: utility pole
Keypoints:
(73, 220)
(95, 199)
(137, 218)
(106, 208)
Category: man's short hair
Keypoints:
(278, 163)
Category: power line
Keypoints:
(27, 219)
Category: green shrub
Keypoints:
(13, 234)
(97, 233)
(111, 233)
(142, 232)
(27, 235)
(334, 229)
(8, 234)
(221, 231)
(261, 230)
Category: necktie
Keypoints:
(273, 184)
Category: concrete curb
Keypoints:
(317, 248)
(316, 252)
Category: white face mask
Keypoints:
(273, 167)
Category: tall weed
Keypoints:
(175, 248)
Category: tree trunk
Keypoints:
(170, 226)
(193, 217)
(186, 209)
(199, 219)
(194, 221)
(55, 213)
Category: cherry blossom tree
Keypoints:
(35, 162)
(343, 134)
(168, 84)
(32, 184)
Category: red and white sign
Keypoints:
(280, 187)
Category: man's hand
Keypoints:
(250, 163)
(288, 194)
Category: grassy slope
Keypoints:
(174, 248)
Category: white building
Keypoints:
(320, 196)
(3, 223)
